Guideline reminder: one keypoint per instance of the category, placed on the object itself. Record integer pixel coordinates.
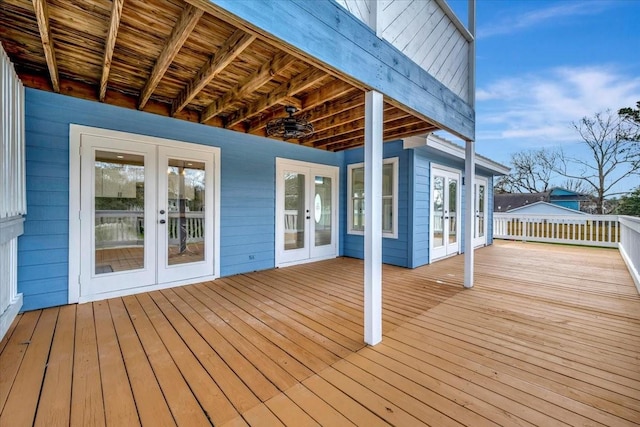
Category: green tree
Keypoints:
(630, 204)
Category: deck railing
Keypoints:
(13, 204)
(125, 228)
(613, 231)
(630, 245)
(591, 230)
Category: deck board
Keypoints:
(526, 346)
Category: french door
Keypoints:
(146, 216)
(480, 228)
(445, 212)
(306, 212)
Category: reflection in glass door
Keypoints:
(480, 226)
(445, 213)
(184, 211)
(306, 211)
(145, 215)
(118, 211)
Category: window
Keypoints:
(355, 185)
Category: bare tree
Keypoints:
(531, 172)
(614, 155)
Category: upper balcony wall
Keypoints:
(427, 31)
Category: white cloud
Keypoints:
(540, 107)
(540, 16)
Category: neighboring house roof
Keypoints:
(545, 208)
(503, 202)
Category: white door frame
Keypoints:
(76, 259)
(481, 241)
(449, 249)
(311, 169)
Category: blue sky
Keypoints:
(543, 64)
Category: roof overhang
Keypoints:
(314, 29)
(454, 151)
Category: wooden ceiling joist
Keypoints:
(181, 31)
(167, 58)
(110, 44)
(42, 16)
(302, 81)
(328, 136)
(256, 80)
(229, 51)
(321, 96)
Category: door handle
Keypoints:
(308, 217)
(162, 221)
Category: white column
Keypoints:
(373, 217)
(469, 211)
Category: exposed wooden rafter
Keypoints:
(42, 15)
(110, 43)
(389, 134)
(186, 23)
(323, 95)
(229, 51)
(302, 81)
(328, 136)
(257, 79)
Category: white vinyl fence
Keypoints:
(12, 188)
(630, 245)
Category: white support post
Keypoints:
(373, 105)
(469, 211)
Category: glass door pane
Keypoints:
(438, 211)
(294, 210)
(186, 211)
(453, 210)
(322, 210)
(481, 196)
(119, 212)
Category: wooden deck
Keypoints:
(549, 336)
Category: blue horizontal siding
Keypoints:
(394, 251)
(247, 199)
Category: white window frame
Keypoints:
(394, 212)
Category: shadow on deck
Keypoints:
(550, 335)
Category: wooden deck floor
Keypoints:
(550, 335)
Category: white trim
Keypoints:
(9, 314)
(453, 150)
(10, 228)
(635, 274)
(450, 171)
(395, 161)
(331, 171)
(133, 291)
(75, 137)
(479, 180)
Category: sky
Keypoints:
(543, 64)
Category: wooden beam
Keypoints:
(186, 23)
(116, 13)
(229, 51)
(42, 15)
(389, 135)
(326, 137)
(297, 84)
(315, 109)
(83, 90)
(292, 101)
(257, 79)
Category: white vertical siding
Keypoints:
(12, 188)
(426, 31)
